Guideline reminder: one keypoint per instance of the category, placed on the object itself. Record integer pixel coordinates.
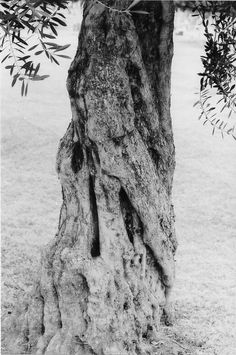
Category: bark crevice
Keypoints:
(95, 239)
(131, 219)
(77, 157)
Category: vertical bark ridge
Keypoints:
(157, 52)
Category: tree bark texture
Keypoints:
(106, 276)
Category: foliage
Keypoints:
(29, 27)
(217, 84)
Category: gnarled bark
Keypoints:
(107, 274)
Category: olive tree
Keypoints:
(106, 277)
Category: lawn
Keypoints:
(204, 297)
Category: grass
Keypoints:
(204, 197)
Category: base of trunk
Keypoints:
(96, 309)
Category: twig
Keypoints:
(112, 8)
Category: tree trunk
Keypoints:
(106, 277)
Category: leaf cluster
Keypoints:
(27, 22)
(219, 63)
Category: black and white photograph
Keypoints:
(118, 177)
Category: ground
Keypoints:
(204, 197)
